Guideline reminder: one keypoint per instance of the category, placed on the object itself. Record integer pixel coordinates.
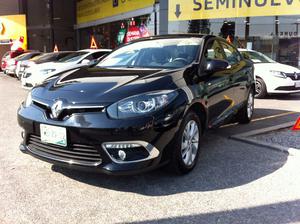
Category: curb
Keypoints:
(244, 137)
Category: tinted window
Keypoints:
(27, 56)
(73, 57)
(93, 58)
(98, 54)
(214, 51)
(51, 57)
(232, 54)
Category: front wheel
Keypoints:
(245, 115)
(186, 145)
(260, 88)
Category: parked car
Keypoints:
(146, 104)
(272, 77)
(43, 58)
(37, 61)
(4, 61)
(23, 64)
(12, 64)
(7, 56)
(39, 73)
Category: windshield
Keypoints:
(73, 57)
(257, 57)
(162, 53)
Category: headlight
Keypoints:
(47, 71)
(140, 105)
(279, 74)
(28, 100)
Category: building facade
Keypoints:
(111, 23)
(48, 22)
(268, 26)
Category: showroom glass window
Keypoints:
(278, 37)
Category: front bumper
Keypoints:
(89, 131)
(283, 86)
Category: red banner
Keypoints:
(133, 33)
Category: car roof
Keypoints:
(94, 50)
(172, 36)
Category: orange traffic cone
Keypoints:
(55, 48)
(93, 43)
(297, 125)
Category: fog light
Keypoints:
(122, 155)
(121, 145)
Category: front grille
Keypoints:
(74, 154)
(28, 85)
(293, 76)
(69, 111)
(288, 88)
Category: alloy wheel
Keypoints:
(258, 88)
(190, 142)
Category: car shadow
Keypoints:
(262, 118)
(295, 96)
(277, 213)
(223, 163)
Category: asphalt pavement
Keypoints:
(234, 182)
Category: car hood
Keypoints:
(266, 67)
(53, 65)
(103, 86)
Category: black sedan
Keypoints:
(145, 105)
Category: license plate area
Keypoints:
(297, 84)
(53, 135)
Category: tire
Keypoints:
(182, 164)
(260, 88)
(244, 116)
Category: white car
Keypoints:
(38, 73)
(44, 58)
(272, 77)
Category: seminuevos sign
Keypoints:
(213, 9)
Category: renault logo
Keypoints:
(57, 108)
(296, 76)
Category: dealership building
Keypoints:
(269, 26)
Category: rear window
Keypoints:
(51, 57)
(72, 57)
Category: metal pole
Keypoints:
(50, 13)
(247, 29)
(155, 19)
(298, 36)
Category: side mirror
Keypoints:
(216, 65)
(85, 62)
